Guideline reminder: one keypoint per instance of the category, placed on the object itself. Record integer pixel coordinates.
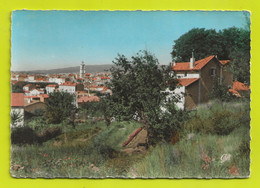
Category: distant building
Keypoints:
(82, 70)
(71, 87)
(35, 92)
(31, 78)
(57, 80)
(28, 87)
(50, 88)
(85, 99)
(33, 106)
(17, 109)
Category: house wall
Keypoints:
(188, 75)
(57, 80)
(31, 78)
(80, 87)
(207, 81)
(191, 96)
(27, 88)
(52, 79)
(60, 80)
(180, 91)
(50, 89)
(34, 92)
(69, 89)
(32, 107)
(227, 75)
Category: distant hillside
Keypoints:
(89, 69)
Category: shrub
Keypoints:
(244, 148)
(37, 123)
(26, 135)
(220, 91)
(221, 123)
(48, 134)
(23, 135)
(38, 112)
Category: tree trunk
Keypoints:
(147, 127)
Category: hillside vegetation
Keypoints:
(94, 150)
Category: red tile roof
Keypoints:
(27, 85)
(17, 99)
(238, 86)
(93, 86)
(105, 78)
(224, 62)
(187, 81)
(69, 83)
(31, 97)
(44, 95)
(51, 85)
(88, 99)
(198, 64)
(81, 92)
(234, 92)
(14, 81)
(22, 76)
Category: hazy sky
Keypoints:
(58, 39)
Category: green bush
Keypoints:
(23, 135)
(37, 123)
(48, 134)
(219, 118)
(39, 112)
(200, 157)
(223, 122)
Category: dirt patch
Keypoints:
(137, 144)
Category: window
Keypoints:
(213, 71)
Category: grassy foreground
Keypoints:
(213, 143)
(197, 156)
(87, 151)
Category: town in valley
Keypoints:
(130, 94)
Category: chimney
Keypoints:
(174, 63)
(192, 61)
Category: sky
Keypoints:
(59, 39)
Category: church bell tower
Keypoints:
(82, 70)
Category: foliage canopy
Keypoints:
(232, 43)
(60, 105)
(139, 91)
